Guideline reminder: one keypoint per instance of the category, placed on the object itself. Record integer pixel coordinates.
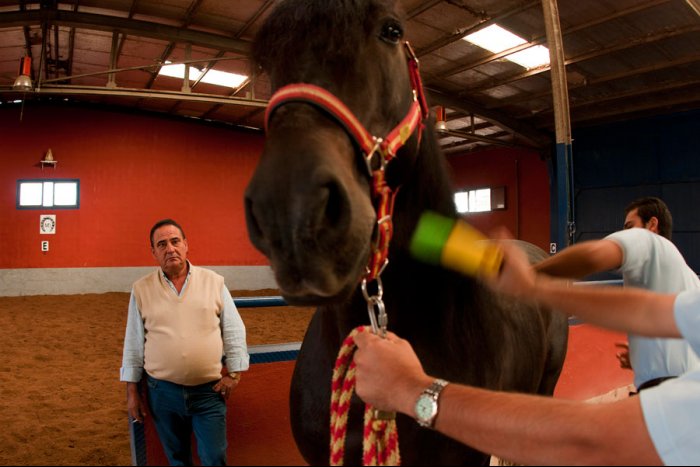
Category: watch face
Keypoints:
(425, 408)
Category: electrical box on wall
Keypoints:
(45, 246)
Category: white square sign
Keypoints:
(47, 224)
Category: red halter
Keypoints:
(372, 147)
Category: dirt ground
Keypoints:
(62, 402)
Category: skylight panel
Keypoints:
(218, 78)
(495, 39)
(533, 57)
(222, 78)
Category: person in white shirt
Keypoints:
(647, 259)
(182, 329)
(659, 426)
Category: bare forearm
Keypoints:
(627, 310)
(583, 259)
(534, 430)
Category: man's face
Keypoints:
(170, 249)
(632, 220)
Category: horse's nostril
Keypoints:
(335, 205)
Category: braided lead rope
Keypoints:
(380, 445)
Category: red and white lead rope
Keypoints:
(380, 444)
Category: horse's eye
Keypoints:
(392, 32)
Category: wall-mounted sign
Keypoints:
(47, 224)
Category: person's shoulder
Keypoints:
(204, 272)
(148, 277)
(631, 234)
(638, 237)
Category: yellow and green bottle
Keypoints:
(456, 245)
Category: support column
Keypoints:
(563, 225)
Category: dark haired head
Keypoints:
(653, 207)
(165, 222)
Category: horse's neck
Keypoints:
(427, 187)
(410, 286)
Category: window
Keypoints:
(40, 194)
(481, 200)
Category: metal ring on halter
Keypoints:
(380, 290)
(369, 158)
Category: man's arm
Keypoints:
(621, 309)
(519, 428)
(233, 333)
(634, 311)
(583, 259)
(134, 343)
(543, 431)
(132, 360)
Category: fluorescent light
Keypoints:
(495, 39)
(218, 78)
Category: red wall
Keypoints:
(526, 179)
(133, 171)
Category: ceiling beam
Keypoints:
(135, 93)
(124, 26)
(670, 102)
(533, 135)
(590, 82)
(452, 38)
(617, 47)
(543, 38)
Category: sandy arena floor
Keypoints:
(62, 402)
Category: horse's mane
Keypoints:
(328, 30)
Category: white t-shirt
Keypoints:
(672, 410)
(652, 262)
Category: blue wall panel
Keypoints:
(616, 164)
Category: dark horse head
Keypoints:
(308, 206)
(310, 209)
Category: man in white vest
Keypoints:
(185, 338)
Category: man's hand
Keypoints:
(227, 384)
(389, 375)
(517, 277)
(134, 406)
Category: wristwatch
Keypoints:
(427, 404)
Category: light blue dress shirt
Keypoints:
(672, 410)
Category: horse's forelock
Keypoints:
(322, 28)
